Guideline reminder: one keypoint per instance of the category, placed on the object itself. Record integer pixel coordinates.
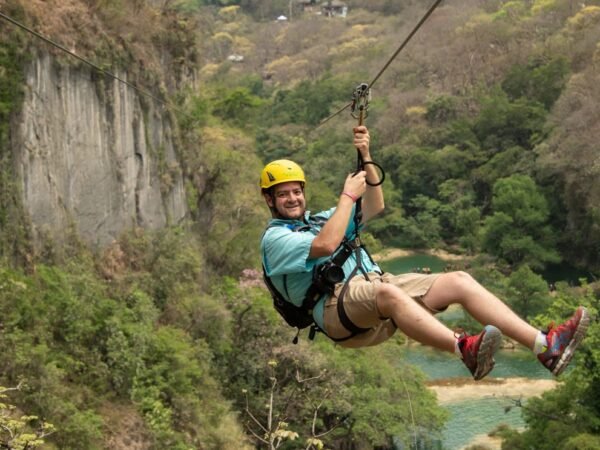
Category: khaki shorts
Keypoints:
(361, 307)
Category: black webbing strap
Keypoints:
(346, 321)
(360, 165)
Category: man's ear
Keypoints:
(269, 199)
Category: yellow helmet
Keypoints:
(281, 171)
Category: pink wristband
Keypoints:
(353, 197)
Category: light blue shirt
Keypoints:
(286, 252)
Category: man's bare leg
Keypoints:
(477, 352)
(459, 287)
(412, 319)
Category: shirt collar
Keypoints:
(290, 223)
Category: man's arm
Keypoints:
(332, 233)
(372, 203)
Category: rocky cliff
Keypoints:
(93, 154)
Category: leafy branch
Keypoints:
(273, 431)
(17, 433)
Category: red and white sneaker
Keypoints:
(563, 340)
(478, 351)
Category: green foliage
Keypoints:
(441, 109)
(530, 295)
(282, 143)
(308, 102)
(14, 236)
(238, 106)
(20, 432)
(503, 123)
(203, 317)
(468, 228)
(458, 215)
(452, 162)
(514, 160)
(196, 112)
(385, 401)
(565, 417)
(538, 81)
(78, 347)
(229, 212)
(371, 243)
(434, 196)
(511, 10)
(349, 388)
(415, 174)
(11, 88)
(162, 262)
(422, 228)
(457, 133)
(518, 230)
(191, 6)
(173, 383)
(583, 441)
(475, 138)
(220, 164)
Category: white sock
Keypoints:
(457, 351)
(541, 344)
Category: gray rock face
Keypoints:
(90, 156)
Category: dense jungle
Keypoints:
(487, 125)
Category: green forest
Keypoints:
(487, 126)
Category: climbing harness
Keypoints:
(324, 278)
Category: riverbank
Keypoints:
(393, 253)
(459, 389)
(507, 390)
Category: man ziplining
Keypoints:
(359, 306)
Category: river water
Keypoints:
(472, 417)
(410, 263)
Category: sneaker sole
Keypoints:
(567, 355)
(490, 343)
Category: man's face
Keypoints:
(288, 200)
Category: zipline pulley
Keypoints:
(359, 109)
(360, 102)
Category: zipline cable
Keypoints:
(408, 38)
(335, 114)
(89, 63)
(366, 87)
